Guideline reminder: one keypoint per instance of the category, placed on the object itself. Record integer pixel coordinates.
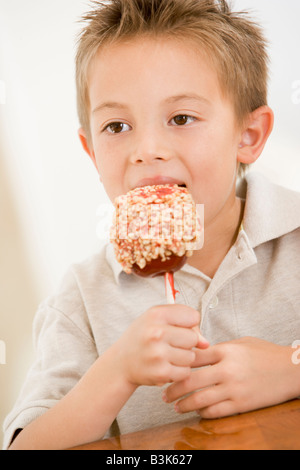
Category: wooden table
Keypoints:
(275, 428)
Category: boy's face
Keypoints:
(158, 115)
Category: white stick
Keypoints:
(169, 290)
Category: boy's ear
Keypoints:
(86, 147)
(254, 137)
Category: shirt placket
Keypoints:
(240, 257)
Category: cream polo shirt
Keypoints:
(255, 292)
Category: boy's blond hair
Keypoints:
(233, 42)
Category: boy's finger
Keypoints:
(179, 337)
(181, 315)
(206, 357)
(199, 379)
(181, 357)
(202, 343)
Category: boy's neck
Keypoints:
(219, 237)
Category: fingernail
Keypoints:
(202, 339)
(176, 408)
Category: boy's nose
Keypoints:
(147, 158)
(149, 148)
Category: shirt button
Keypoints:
(214, 303)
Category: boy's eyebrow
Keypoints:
(170, 100)
(109, 105)
(187, 96)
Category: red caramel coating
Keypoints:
(158, 267)
(160, 191)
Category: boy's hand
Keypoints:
(158, 347)
(243, 375)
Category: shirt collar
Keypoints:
(271, 211)
(114, 264)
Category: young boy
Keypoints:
(171, 91)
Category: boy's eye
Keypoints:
(182, 120)
(116, 127)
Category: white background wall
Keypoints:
(49, 190)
